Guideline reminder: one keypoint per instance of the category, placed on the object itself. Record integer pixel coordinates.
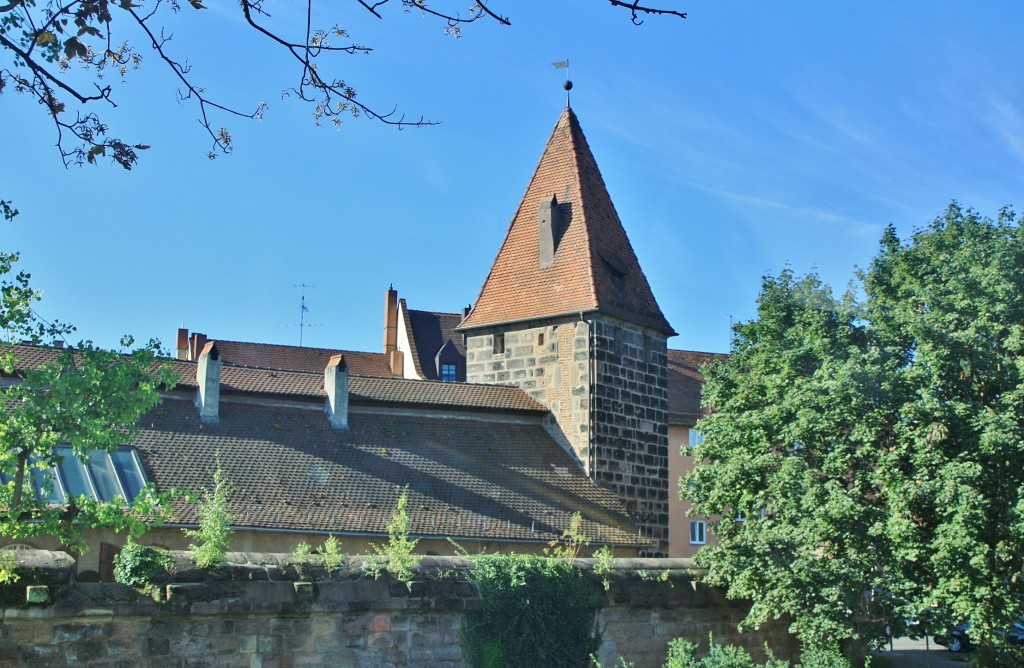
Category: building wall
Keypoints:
(606, 384)
(681, 463)
(630, 438)
(273, 612)
(550, 362)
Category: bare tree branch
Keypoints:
(46, 38)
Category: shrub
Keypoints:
(396, 556)
(141, 566)
(214, 532)
(681, 654)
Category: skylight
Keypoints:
(104, 477)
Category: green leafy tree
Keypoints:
(874, 448)
(87, 398)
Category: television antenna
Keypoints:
(303, 310)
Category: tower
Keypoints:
(567, 315)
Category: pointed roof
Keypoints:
(594, 267)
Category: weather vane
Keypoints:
(564, 65)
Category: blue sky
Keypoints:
(750, 137)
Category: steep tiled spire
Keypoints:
(593, 268)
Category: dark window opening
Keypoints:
(499, 344)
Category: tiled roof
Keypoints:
(684, 384)
(289, 470)
(362, 390)
(594, 266)
(427, 332)
(295, 358)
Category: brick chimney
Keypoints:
(208, 379)
(336, 387)
(390, 321)
(182, 347)
(196, 345)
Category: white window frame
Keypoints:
(698, 532)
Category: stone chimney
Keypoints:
(182, 348)
(208, 379)
(547, 221)
(336, 387)
(390, 321)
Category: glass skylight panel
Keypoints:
(46, 485)
(129, 471)
(74, 474)
(103, 477)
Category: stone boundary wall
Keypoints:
(267, 611)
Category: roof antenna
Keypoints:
(303, 311)
(564, 65)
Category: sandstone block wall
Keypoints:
(266, 611)
(630, 423)
(550, 362)
(606, 384)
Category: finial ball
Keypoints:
(567, 85)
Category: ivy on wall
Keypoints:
(533, 611)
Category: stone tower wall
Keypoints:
(630, 423)
(550, 362)
(618, 431)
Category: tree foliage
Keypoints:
(60, 53)
(84, 397)
(873, 444)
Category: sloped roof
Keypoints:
(495, 476)
(427, 333)
(289, 470)
(684, 384)
(362, 390)
(296, 358)
(594, 266)
(367, 390)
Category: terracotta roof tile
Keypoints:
(295, 358)
(362, 390)
(594, 266)
(466, 478)
(684, 384)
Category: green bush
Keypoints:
(533, 611)
(823, 657)
(682, 654)
(141, 566)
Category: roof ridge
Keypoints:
(416, 310)
(574, 125)
(286, 345)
